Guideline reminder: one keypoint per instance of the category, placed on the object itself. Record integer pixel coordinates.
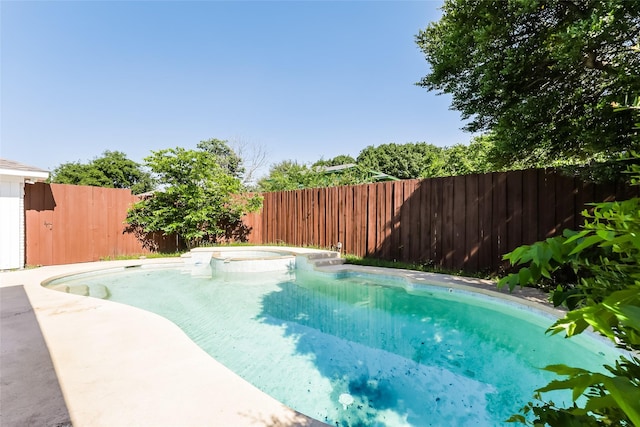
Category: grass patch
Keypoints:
(142, 256)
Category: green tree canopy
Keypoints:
(112, 170)
(404, 161)
(226, 158)
(542, 75)
(198, 200)
(336, 161)
(463, 159)
(289, 175)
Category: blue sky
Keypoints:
(303, 80)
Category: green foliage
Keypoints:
(543, 76)
(422, 160)
(475, 157)
(597, 276)
(226, 158)
(611, 400)
(617, 317)
(112, 170)
(290, 175)
(198, 200)
(584, 266)
(336, 161)
(404, 161)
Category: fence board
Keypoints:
(409, 221)
(387, 214)
(421, 208)
(315, 218)
(514, 210)
(472, 223)
(356, 219)
(565, 203)
(395, 222)
(436, 221)
(343, 217)
(371, 220)
(546, 202)
(485, 213)
(499, 220)
(311, 223)
(379, 218)
(586, 194)
(529, 205)
(448, 227)
(458, 245)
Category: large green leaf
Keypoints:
(627, 396)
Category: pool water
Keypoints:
(352, 349)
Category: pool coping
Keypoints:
(165, 379)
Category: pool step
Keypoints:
(96, 291)
(99, 291)
(325, 259)
(82, 290)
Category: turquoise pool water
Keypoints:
(356, 350)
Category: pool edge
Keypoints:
(148, 384)
(162, 400)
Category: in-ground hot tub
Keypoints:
(240, 260)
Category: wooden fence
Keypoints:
(457, 223)
(74, 223)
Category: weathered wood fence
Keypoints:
(76, 223)
(457, 223)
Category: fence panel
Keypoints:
(72, 223)
(466, 222)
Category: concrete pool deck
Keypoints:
(120, 366)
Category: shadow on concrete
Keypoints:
(30, 393)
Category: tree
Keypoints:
(289, 175)
(473, 158)
(404, 161)
(541, 75)
(198, 201)
(112, 170)
(336, 161)
(226, 158)
(253, 157)
(77, 173)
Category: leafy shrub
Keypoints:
(595, 273)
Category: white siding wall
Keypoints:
(11, 222)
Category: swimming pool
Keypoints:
(358, 349)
